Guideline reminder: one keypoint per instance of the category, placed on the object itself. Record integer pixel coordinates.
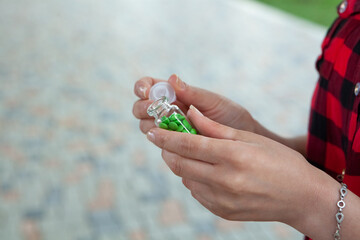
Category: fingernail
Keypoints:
(196, 110)
(151, 136)
(143, 89)
(180, 83)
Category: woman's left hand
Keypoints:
(239, 175)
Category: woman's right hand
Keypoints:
(212, 105)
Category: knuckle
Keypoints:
(177, 166)
(174, 163)
(186, 183)
(191, 185)
(226, 208)
(143, 126)
(237, 185)
(242, 158)
(233, 152)
(231, 156)
(251, 157)
(164, 154)
(233, 184)
(195, 195)
(203, 144)
(163, 140)
(140, 108)
(135, 110)
(222, 182)
(186, 145)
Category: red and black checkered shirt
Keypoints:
(334, 127)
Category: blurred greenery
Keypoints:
(319, 11)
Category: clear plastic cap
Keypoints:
(162, 89)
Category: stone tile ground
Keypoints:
(74, 164)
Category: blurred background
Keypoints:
(73, 163)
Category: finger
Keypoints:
(210, 128)
(188, 95)
(201, 192)
(140, 108)
(190, 146)
(188, 168)
(142, 86)
(195, 186)
(182, 106)
(146, 124)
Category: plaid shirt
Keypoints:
(334, 127)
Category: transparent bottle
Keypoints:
(170, 117)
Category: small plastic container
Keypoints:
(167, 116)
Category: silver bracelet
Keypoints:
(339, 214)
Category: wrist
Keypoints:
(317, 210)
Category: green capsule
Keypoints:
(180, 117)
(177, 121)
(172, 118)
(185, 131)
(165, 120)
(180, 128)
(163, 126)
(186, 124)
(173, 126)
(193, 131)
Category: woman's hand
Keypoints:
(239, 175)
(214, 106)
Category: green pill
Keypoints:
(172, 118)
(177, 121)
(180, 128)
(173, 126)
(165, 120)
(193, 131)
(180, 117)
(163, 126)
(186, 124)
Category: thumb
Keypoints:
(192, 95)
(210, 128)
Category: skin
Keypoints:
(241, 171)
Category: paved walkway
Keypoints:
(73, 164)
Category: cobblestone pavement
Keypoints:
(74, 164)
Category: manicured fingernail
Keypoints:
(196, 110)
(180, 83)
(142, 90)
(151, 136)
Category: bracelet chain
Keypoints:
(339, 215)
